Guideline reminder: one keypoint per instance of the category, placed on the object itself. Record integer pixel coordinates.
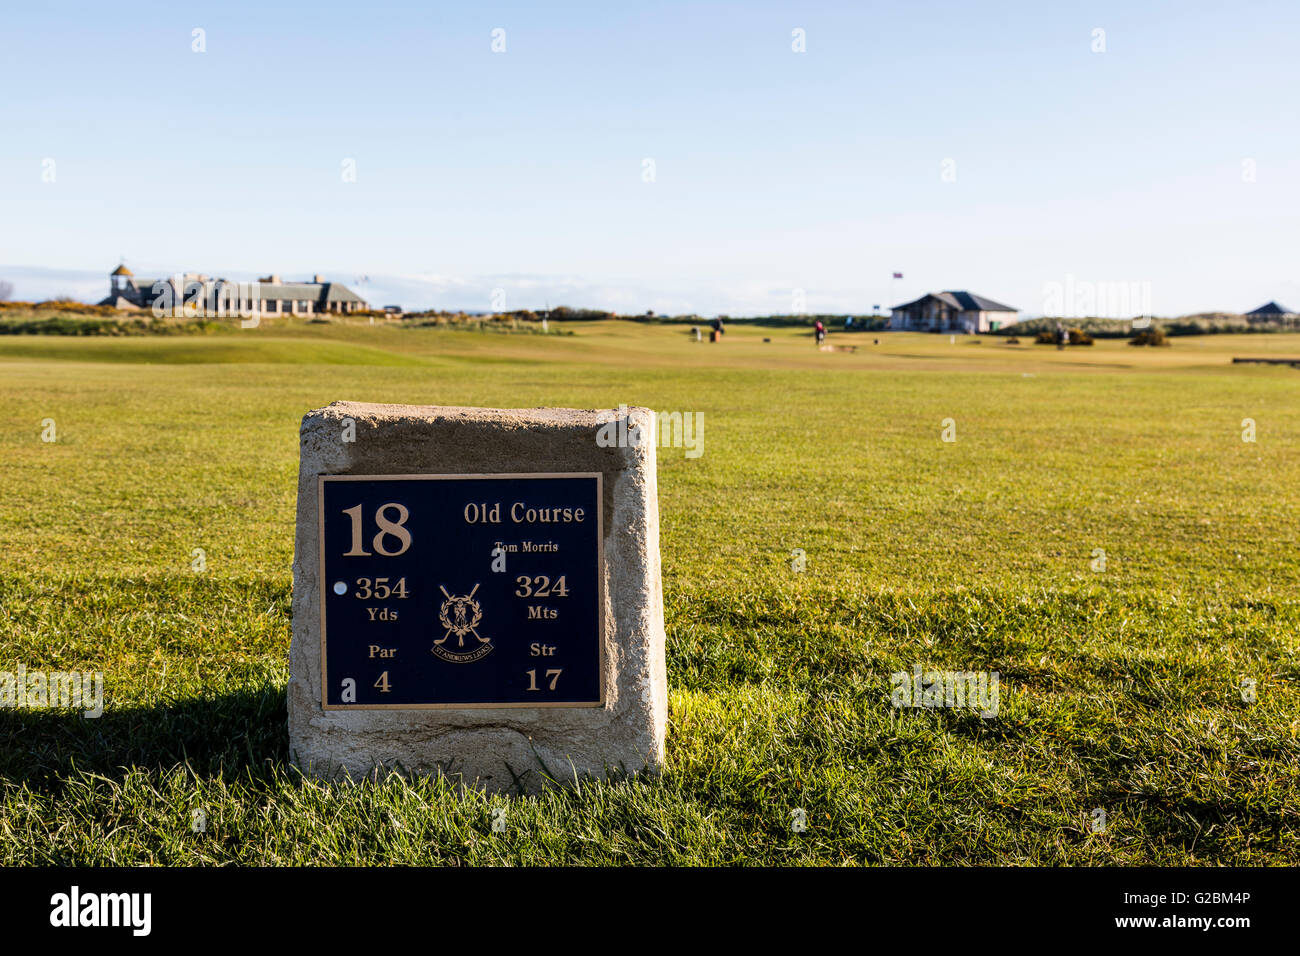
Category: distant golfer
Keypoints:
(821, 332)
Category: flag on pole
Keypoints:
(898, 275)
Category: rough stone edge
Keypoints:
(635, 512)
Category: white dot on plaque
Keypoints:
(340, 587)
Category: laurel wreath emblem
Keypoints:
(459, 621)
(460, 615)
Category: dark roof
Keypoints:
(322, 293)
(288, 290)
(970, 300)
(337, 292)
(118, 302)
(963, 302)
(928, 295)
(1271, 308)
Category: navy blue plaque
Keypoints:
(461, 591)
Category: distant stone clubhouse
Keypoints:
(273, 297)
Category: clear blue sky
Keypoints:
(774, 170)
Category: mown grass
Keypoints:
(1119, 689)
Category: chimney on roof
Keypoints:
(273, 280)
(319, 280)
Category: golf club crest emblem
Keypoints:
(460, 615)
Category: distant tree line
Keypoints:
(834, 322)
(1209, 323)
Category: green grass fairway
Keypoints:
(1119, 689)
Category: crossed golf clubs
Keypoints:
(459, 623)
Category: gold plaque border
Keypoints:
(600, 575)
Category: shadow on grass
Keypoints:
(220, 732)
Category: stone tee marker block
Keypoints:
(476, 593)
